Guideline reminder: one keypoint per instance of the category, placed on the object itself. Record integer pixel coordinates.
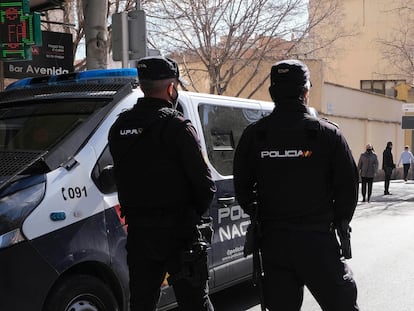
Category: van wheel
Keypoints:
(81, 293)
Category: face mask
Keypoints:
(174, 99)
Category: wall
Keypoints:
(364, 118)
(359, 56)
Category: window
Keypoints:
(384, 87)
(105, 185)
(222, 128)
(43, 124)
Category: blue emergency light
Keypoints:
(90, 76)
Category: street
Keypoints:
(383, 256)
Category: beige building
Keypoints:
(360, 61)
(361, 89)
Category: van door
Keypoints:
(222, 123)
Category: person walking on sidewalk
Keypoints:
(367, 167)
(406, 159)
(387, 165)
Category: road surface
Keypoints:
(383, 256)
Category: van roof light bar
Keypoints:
(123, 75)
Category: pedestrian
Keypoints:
(367, 167)
(164, 186)
(406, 159)
(387, 165)
(300, 174)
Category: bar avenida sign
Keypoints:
(55, 56)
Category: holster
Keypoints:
(344, 233)
(206, 230)
(252, 238)
(194, 268)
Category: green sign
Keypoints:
(19, 29)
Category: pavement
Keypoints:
(380, 270)
(400, 190)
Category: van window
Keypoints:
(41, 125)
(105, 160)
(222, 128)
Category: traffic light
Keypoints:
(129, 35)
(137, 28)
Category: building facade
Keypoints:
(366, 84)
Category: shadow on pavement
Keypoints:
(236, 298)
(395, 204)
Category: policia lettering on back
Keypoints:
(302, 176)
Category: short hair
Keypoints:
(154, 86)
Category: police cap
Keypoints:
(157, 68)
(289, 72)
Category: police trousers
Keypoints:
(151, 254)
(293, 259)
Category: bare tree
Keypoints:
(226, 47)
(398, 47)
(231, 41)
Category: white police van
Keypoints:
(62, 241)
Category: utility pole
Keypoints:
(96, 34)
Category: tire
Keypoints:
(81, 293)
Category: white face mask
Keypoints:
(174, 100)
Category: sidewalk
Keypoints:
(401, 192)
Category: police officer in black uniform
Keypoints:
(164, 187)
(300, 172)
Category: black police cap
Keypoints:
(157, 68)
(289, 72)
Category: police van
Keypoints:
(62, 240)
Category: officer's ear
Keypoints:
(171, 90)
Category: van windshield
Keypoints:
(41, 125)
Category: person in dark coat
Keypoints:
(367, 167)
(164, 187)
(299, 173)
(387, 165)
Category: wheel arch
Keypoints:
(98, 270)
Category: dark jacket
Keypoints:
(368, 164)
(301, 167)
(160, 172)
(387, 160)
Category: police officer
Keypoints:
(164, 187)
(303, 177)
